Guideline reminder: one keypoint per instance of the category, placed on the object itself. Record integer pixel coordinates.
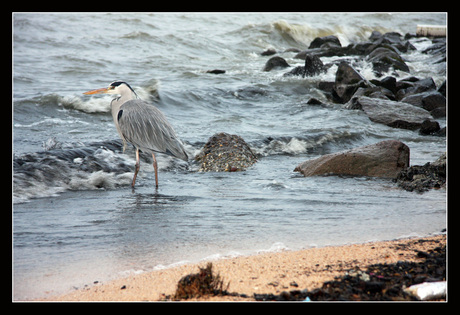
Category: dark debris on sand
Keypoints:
(379, 282)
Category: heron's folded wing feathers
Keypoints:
(146, 127)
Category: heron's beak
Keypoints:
(97, 91)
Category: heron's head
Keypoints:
(116, 87)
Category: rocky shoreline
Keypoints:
(411, 103)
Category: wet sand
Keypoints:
(262, 273)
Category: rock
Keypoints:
(225, 153)
(422, 178)
(383, 159)
(268, 52)
(430, 101)
(216, 71)
(413, 85)
(390, 113)
(347, 81)
(387, 82)
(383, 58)
(275, 62)
(429, 127)
(313, 66)
(327, 41)
(391, 40)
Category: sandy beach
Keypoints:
(262, 273)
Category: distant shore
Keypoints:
(267, 273)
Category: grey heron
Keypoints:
(141, 124)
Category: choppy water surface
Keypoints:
(76, 219)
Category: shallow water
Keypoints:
(76, 219)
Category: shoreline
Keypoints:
(264, 273)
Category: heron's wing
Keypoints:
(146, 127)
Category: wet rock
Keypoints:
(268, 52)
(429, 127)
(388, 82)
(313, 66)
(275, 62)
(390, 113)
(413, 85)
(383, 159)
(430, 101)
(383, 58)
(216, 71)
(347, 81)
(225, 153)
(421, 178)
(391, 39)
(325, 42)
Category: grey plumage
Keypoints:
(146, 128)
(141, 124)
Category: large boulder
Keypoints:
(225, 153)
(347, 81)
(383, 159)
(394, 114)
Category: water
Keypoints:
(76, 219)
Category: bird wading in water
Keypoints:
(141, 124)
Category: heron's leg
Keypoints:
(155, 166)
(138, 164)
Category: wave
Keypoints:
(94, 166)
(103, 165)
(149, 90)
(304, 34)
(303, 144)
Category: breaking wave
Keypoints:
(94, 166)
(303, 34)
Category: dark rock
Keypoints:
(438, 112)
(314, 101)
(422, 178)
(383, 159)
(375, 35)
(347, 81)
(268, 52)
(292, 49)
(328, 41)
(313, 66)
(383, 58)
(390, 113)
(275, 62)
(442, 88)
(429, 127)
(406, 87)
(216, 71)
(225, 153)
(433, 100)
(390, 40)
(388, 82)
(375, 92)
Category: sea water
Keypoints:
(76, 219)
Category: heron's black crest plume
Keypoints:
(119, 82)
